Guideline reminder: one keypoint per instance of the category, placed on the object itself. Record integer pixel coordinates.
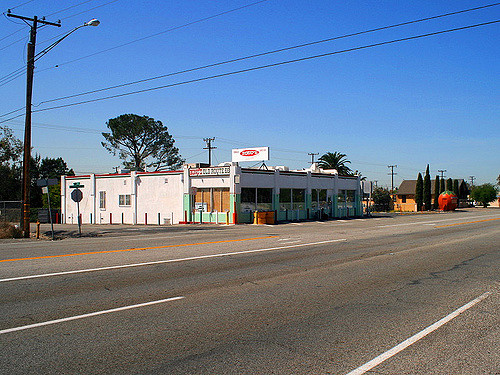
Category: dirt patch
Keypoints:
(8, 230)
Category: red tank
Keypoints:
(448, 201)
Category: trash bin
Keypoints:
(270, 217)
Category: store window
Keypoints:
(298, 199)
(285, 199)
(292, 199)
(256, 199)
(319, 199)
(124, 200)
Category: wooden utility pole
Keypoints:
(209, 148)
(312, 154)
(30, 67)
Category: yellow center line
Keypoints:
(138, 248)
(469, 222)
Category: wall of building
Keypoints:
(154, 198)
(169, 197)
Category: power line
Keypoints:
(260, 54)
(133, 41)
(159, 33)
(68, 8)
(20, 5)
(263, 67)
(15, 32)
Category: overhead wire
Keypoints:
(260, 67)
(265, 53)
(159, 33)
(20, 5)
(68, 8)
(136, 40)
(264, 67)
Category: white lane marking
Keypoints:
(88, 315)
(435, 221)
(296, 223)
(403, 345)
(169, 260)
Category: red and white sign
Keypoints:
(250, 154)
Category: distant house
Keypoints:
(405, 196)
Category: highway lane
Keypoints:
(295, 308)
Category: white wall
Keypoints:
(152, 193)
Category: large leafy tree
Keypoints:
(141, 142)
(11, 148)
(484, 194)
(335, 160)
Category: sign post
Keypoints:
(45, 183)
(77, 196)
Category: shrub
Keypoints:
(8, 230)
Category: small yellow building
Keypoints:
(405, 196)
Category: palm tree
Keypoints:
(335, 160)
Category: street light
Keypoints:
(30, 62)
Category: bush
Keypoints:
(8, 230)
(484, 194)
(381, 199)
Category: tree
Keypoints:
(11, 148)
(449, 184)
(53, 168)
(335, 160)
(419, 192)
(427, 195)
(141, 142)
(381, 199)
(455, 188)
(498, 180)
(484, 194)
(436, 193)
(441, 185)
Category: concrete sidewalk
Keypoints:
(62, 231)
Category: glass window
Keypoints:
(102, 200)
(298, 197)
(264, 199)
(248, 195)
(285, 199)
(124, 200)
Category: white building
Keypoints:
(224, 194)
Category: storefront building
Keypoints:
(225, 194)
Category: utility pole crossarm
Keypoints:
(209, 148)
(34, 19)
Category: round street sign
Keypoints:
(76, 195)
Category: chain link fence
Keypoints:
(10, 211)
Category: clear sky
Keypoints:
(432, 100)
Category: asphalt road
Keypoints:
(412, 294)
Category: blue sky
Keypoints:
(430, 101)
